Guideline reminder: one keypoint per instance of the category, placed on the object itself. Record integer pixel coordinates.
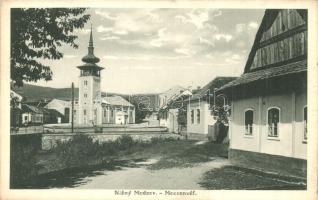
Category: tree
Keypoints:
(36, 33)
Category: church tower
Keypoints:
(89, 108)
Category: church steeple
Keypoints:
(89, 68)
(90, 57)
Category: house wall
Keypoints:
(107, 118)
(172, 121)
(58, 105)
(28, 115)
(290, 140)
(205, 118)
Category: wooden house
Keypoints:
(268, 127)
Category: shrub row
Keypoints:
(81, 150)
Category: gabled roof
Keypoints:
(208, 89)
(14, 94)
(172, 91)
(291, 68)
(177, 97)
(29, 108)
(116, 101)
(267, 21)
(267, 71)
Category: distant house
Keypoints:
(166, 96)
(169, 111)
(199, 114)
(15, 109)
(62, 106)
(31, 115)
(51, 116)
(268, 127)
(117, 110)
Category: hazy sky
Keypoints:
(151, 50)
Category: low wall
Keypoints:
(197, 136)
(50, 140)
(270, 163)
(104, 129)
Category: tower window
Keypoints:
(84, 112)
(85, 95)
(85, 82)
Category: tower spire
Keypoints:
(90, 44)
(90, 57)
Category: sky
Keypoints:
(152, 50)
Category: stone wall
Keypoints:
(50, 140)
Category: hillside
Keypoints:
(34, 93)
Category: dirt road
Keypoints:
(140, 177)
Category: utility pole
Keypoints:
(72, 119)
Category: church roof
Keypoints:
(116, 101)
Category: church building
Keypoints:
(93, 109)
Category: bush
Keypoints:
(77, 151)
(22, 164)
(125, 142)
(156, 140)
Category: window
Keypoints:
(273, 122)
(249, 122)
(305, 123)
(198, 116)
(192, 116)
(84, 112)
(85, 95)
(85, 82)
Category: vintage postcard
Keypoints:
(158, 100)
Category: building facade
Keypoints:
(268, 127)
(200, 118)
(117, 110)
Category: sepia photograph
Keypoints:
(158, 101)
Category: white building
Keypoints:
(117, 110)
(268, 127)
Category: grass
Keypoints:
(182, 153)
(237, 178)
